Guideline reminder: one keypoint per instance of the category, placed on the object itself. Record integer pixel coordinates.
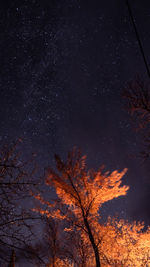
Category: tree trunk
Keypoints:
(95, 248)
(12, 259)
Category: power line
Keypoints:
(138, 38)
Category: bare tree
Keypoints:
(15, 184)
(137, 94)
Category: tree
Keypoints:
(80, 193)
(124, 243)
(58, 246)
(12, 259)
(137, 94)
(15, 185)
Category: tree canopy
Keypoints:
(80, 195)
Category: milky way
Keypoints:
(64, 65)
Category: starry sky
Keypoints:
(64, 65)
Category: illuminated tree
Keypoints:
(124, 244)
(80, 194)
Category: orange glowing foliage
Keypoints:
(61, 263)
(120, 243)
(83, 190)
(126, 244)
(80, 195)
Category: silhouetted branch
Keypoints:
(138, 38)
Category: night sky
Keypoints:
(64, 65)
